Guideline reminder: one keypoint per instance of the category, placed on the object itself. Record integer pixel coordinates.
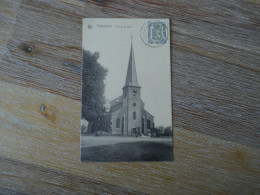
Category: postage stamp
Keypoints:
(154, 33)
(157, 32)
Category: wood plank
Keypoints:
(216, 98)
(58, 56)
(215, 56)
(50, 67)
(216, 21)
(8, 11)
(50, 138)
(21, 178)
(254, 1)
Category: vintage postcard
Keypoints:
(126, 91)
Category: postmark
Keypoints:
(154, 33)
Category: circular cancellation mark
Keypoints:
(154, 33)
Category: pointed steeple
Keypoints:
(131, 76)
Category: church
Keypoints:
(127, 113)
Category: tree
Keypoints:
(93, 87)
(160, 129)
(168, 130)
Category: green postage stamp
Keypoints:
(157, 32)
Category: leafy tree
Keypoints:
(168, 130)
(160, 127)
(93, 87)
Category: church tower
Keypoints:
(132, 97)
(127, 114)
(131, 87)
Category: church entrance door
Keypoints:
(134, 132)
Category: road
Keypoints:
(89, 141)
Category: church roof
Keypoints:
(131, 76)
(116, 100)
(148, 113)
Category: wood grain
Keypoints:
(202, 41)
(215, 88)
(15, 175)
(8, 11)
(216, 98)
(50, 139)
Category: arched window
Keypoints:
(118, 123)
(134, 115)
(148, 124)
(134, 104)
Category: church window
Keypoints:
(134, 92)
(134, 115)
(134, 104)
(148, 124)
(118, 123)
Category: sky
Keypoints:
(112, 39)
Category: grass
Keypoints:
(127, 152)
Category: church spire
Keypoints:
(131, 76)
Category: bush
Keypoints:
(101, 133)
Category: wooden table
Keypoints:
(215, 97)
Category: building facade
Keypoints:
(127, 113)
